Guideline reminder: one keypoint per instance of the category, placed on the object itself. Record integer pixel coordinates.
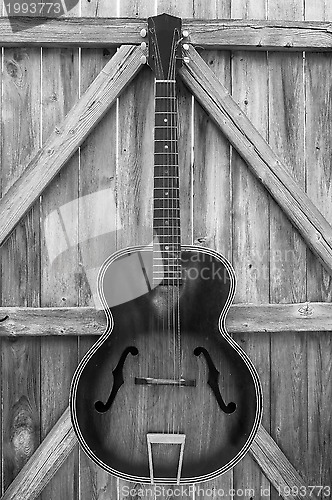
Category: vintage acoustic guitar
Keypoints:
(166, 395)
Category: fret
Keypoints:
(168, 112)
(165, 97)
(171, 209)
(160, 258)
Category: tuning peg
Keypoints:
(143, 59)
(143, 45)
(185, 46)
(185, 34)
(186, 59)
(143, 33)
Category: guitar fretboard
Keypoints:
(166, 206)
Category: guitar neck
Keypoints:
(166, 203)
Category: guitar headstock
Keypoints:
(165, 54)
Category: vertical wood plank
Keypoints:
(251, 228)
(319, 10)
(59, 221)
(318, 160)
(212, 214)
(20, 359)
(1, 343)
(319, 414)
(134, 171)
(287, 249)
(97, 222)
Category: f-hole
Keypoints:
(213, 381)
(118, 380)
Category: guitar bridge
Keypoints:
(165, 381)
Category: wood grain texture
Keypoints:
(212, 225)
(320, 10)
(211, 173)
(318, 159)
(318, 154)
(1, 343)
(134, 168)
(250, 226)
(42, 466)
(96, 223)
(20, 360)
(238, 34)
(60, 84)
(45, 462)
(259, 157)
(65, 140)
(288, 251)
(278, 468)
(319, 416)
(286, 137)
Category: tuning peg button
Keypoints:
(185, 46)
(143, 33)
(185, 34)
(143, 59)
(143, 45)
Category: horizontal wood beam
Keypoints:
(242, 318)
(44, 463)
(61, 440)
(210, 34)
(65, 139)
(259, 156)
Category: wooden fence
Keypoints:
(255, 128)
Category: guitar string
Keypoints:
(176, 225)
(170, 268)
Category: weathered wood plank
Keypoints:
(319, 413)
(97, 222)
(318, 69)
(250, 222)
(211, 176)
(226, 34)
(318, 158)
(266, 165)
(134, 166)
(287, 249)
(65, 140)
(60, 92)
(242, 318)
(44, 463)
(278, 469)
(1, 341)
(19, 365)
